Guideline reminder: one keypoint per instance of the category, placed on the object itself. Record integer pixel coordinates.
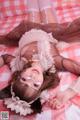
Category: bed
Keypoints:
(12, 12)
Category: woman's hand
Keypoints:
(1, 61)
(62, 98)
(5, 60)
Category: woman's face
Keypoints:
(33, 76)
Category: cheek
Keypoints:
(31, 92)
(40, 77)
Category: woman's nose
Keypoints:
(28, 72)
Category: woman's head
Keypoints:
(28, 85)
(31, 81)
(29, 90)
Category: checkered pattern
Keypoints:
(9, 23)
(67, 10)
(12, 7)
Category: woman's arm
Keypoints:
(65, 64)
(73, 90)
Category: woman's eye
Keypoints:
(36, 85)
(23, 79)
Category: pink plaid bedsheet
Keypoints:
(66, 10)
(11, 16)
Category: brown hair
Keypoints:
(50, 81)
(67, 32)
(21, 90)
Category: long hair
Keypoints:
(68, 32)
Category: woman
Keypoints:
(34, 68)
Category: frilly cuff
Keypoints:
(76, 86)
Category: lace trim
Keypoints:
(44, 51)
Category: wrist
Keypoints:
(72, 92)
(7, 58)
(1, 61)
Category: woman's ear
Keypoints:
(36, 106)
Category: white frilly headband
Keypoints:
(22, 107)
